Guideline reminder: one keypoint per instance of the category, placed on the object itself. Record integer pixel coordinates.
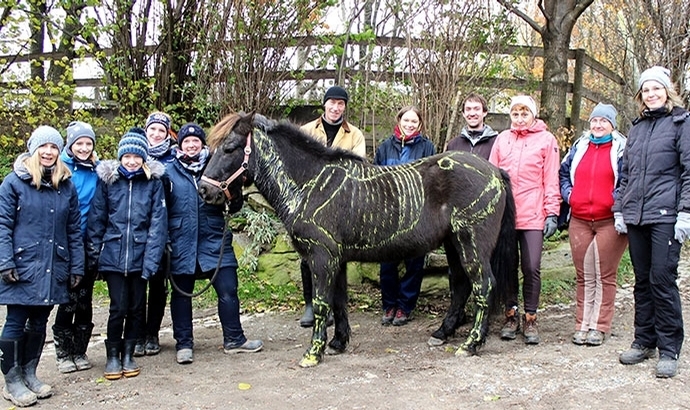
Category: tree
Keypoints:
(560, 18)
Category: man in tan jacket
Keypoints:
(332, 130)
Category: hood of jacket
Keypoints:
(107, 170)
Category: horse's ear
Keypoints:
(262, 122)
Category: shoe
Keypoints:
(531, 331)
(511, 325)
(185, 356)
(307, 319)
(140, 348)
(636, 354)
(82, 362)
(152, 346)
(401, 318)
(595, 337)
(388, 316)
(250, 346)
(580, 337)
(666, 367)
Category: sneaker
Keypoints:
(595, 337)
(666, 367)
(636, 354)
(388, 316)
(580, 337)
(185, 356)
(250, 346)
(511, 326)
(139, 349)
(531, 331)
(152, 346)
(401, 318)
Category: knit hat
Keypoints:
(606, 111)
(191, 130)
(44, 135)
(160, 118)
(657, 73)
(133, 143)
(336, 93)
(78, 129)
(525, 100)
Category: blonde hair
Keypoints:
(33, 165)
(672, 100)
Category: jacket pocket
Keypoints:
(61, 264)
(27, 261)
(111, 254)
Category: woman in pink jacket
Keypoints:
(530, 155)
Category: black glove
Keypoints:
(9, 275)
(91, 264)
(74, 280)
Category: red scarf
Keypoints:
(401, 135)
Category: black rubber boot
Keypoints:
(130, 368)
(82, 335)
(113, 364)
(15, 390)
(63, 339)
(33, 349)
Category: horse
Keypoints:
(336, 208)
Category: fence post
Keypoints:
(578, 85)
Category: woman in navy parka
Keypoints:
(41, 255)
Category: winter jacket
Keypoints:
(655, 178)
(128, 222)
(393, 152)
(481, 148)
(39, 237)
(349, 137)
(195, 227)
(577, 151)
(532, 160)
(85, 180)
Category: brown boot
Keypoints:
(531, 331)
(512, 324)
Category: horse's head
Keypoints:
(228, 168)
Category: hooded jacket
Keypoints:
(532, 159)
(39, 237)
(127, 226)
(196, 228)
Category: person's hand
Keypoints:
(682, 227)
(550, 225)
(619, 223)
(74, 280)
(9, 275)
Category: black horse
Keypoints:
(338, 208)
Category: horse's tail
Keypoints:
(504, 260)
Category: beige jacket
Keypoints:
(349, 137)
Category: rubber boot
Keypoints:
(82, 335)
(33, 348)
(63, 339)
(10, 363)
(113, 363)
(130, 368)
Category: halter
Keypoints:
(243, 167)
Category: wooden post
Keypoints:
(578, 85)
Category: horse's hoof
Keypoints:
(433, 341)
(464, 352)
(332, 352)
(309, 360)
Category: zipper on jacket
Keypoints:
(129, 222)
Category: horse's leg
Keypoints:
(323, 272)
(341, 337)
(460, 289)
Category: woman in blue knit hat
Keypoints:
(127, 229)
(41, 256)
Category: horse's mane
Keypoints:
(221, 129)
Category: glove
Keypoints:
(682, 227)
(74, 280)
(550, 225)
(91, 264)
(9, 275)
(619, 223)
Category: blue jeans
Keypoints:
(22, 317)
(127, 305)
(225, 286)
(401, 293)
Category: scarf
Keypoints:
(400, 136)
(47, 175)
(159, 150)
(601, 140)
(655, 113)
(130, 175)
(194, 164)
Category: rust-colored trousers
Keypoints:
(597, 250)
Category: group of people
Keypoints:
(67, 218)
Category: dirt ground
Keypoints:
(383, 368)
